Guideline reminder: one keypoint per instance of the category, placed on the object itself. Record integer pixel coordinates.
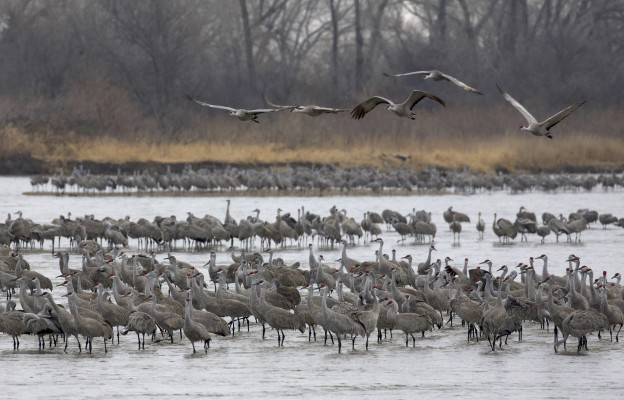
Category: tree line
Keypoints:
(122, 68)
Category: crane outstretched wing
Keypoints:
(418, 95)
(279, 106)
(555, 119)
(201, 103)
(265, 110)
(422, 73)
(527, 115)
(459, 83)
(367, 105)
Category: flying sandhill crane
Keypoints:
(240, 113)
(401, 109)
(338, 323)
(311, 110)
(436, 75)
(539, 128)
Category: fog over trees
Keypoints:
(122, 68)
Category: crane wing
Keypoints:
(527, 115)
(265, 110)
(459, 83)
(367, 105)
(279, 106)
(418, 95)
(329, 109)
(555, 119)
(421, 73)
(201, 103)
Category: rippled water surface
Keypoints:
(245, 366)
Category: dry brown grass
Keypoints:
(287, 138)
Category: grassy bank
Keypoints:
(293, 139)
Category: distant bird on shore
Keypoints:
(438, 76)
(311, 110)
(539, 128)
(401, 109)
(240, 113)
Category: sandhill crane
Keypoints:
(436, 298)
(114, 315)
(311, 110)
(524, 226)
(407, 322)
(456, 228)
(459, 216)
(468, 310)
(346, 260)
(401, 228)
(139, 322)
(165, 318)
(240, 113)
(576, 227)
(503, 228)
(613, 313)
(607, 219)
(401, 109)
(480, 226)
(193, 331)
(278, 318)
(543, 231)
(558, 227)
(497, 323)
(579, 324)
(316, 312)
(42, 324)
(88, 327)
(368, 318)
(539, 128)
(12, 323)
(436, 75)
(338, 323)
(65, 319)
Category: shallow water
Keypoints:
(442, 364)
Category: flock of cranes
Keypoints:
(318, 180)
(118, 293)
(198, 233)
(404, 109)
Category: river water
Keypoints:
(245, 366)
